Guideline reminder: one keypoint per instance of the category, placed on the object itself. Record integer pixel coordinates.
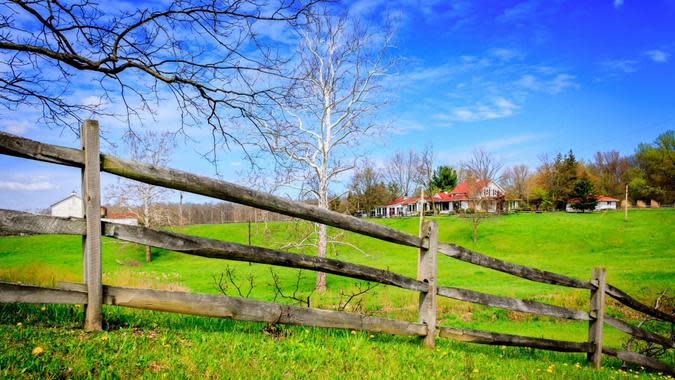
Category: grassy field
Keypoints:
(638, 254)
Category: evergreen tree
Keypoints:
(582, 197)
(444, 178)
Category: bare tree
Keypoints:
(612, 172)
(202, 54)
(482, 166)
(425, 169)
(476, 212)
(480, 170)
(514, 181)
(402, 170)
(141, 198)
(321, 125)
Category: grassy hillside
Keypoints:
(638, 254)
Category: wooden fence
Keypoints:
(93, 293)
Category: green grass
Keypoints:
(638, 254)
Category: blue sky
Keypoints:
(519, 78)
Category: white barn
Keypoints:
(70, 206)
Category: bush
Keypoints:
(429, 213)
(470, 211)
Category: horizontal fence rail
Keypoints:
(245, 309)
(211, 306)
(499, 339)
(180, 180)
(41, 224)
(17, 221)
(268, 312)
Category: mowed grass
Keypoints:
(638, 254)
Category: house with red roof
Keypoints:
(479, 195)
(604, 203)
(482, 195)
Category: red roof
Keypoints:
(121, 215)
(463, 187)
(460, 192)
(450, 197)
(407, 200)
(600, 198)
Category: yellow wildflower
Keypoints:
(475, 370)
(19, 324)
(38, 350)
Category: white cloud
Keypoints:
(658, 56)
(554, 85)
(503, 148)
(492, 145)
(518, 12)
(15, 127)
(625, 66)
(28, 186)
(505, 54)
(496, 109)
(618, 3)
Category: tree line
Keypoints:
(649, 174)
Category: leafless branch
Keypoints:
(229, 275)
(295, 296)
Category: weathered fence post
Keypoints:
(427, 273)
(91, 197)
(597, 314)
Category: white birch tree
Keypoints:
(320, 127)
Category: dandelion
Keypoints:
(43, 309)
(19, 324)
(104, 338)
(38, 350)
(577, 365)
(371, 337)
(475, 370)
(353, 332)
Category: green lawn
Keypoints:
(638, 254)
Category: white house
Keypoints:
(70, 206)
(479, 195)
(404, 206)
(604, 203)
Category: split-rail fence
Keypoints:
(93, 293)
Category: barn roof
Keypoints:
(73, 194)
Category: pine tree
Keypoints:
(444, 178)
(581, 197)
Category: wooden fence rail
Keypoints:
(17, 221)
(93, 293)
(268, 312)
(196, 184)
(179, 180)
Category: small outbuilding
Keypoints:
(604, 203)
(68, 207)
